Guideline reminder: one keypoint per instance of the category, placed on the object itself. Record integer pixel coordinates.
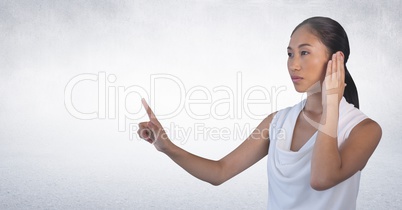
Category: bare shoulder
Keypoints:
(362, 140)
(271, 116)
(360, 145)
(368, 128)
(261, 131)
(267, 121)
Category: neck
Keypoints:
(313, 103)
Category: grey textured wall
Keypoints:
(52, 159)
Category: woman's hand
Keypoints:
(334, 82)
(152, 131)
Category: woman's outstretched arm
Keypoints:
(254, 148)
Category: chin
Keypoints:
(300, 90)
(303, 88)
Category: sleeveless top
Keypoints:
(289, 171)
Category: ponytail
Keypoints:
(350, 92)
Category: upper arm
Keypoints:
(357, 149)
(253, 149)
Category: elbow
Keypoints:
(319, 186)
(219, 176)
(216, 182)
(321, 183)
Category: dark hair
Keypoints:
(334, 37)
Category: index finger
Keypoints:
(150, 113)
(342, 64)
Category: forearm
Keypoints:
(246, 154)
(326, 160)
(201, 168)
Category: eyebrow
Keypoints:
(301, 45)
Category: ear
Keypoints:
(343, 55)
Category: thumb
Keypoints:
(157, 132)
(153, 127)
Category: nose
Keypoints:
(294, 63)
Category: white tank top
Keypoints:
(289, 172)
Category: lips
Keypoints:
(296, 78)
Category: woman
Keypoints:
(317, 148)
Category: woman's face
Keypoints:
(307, 60)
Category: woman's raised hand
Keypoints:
(334, 83)
(152, 131)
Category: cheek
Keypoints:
(320, 68)
(323, 70)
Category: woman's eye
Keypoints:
(304, 53)
(290, 54)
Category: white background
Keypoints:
(51, 159)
